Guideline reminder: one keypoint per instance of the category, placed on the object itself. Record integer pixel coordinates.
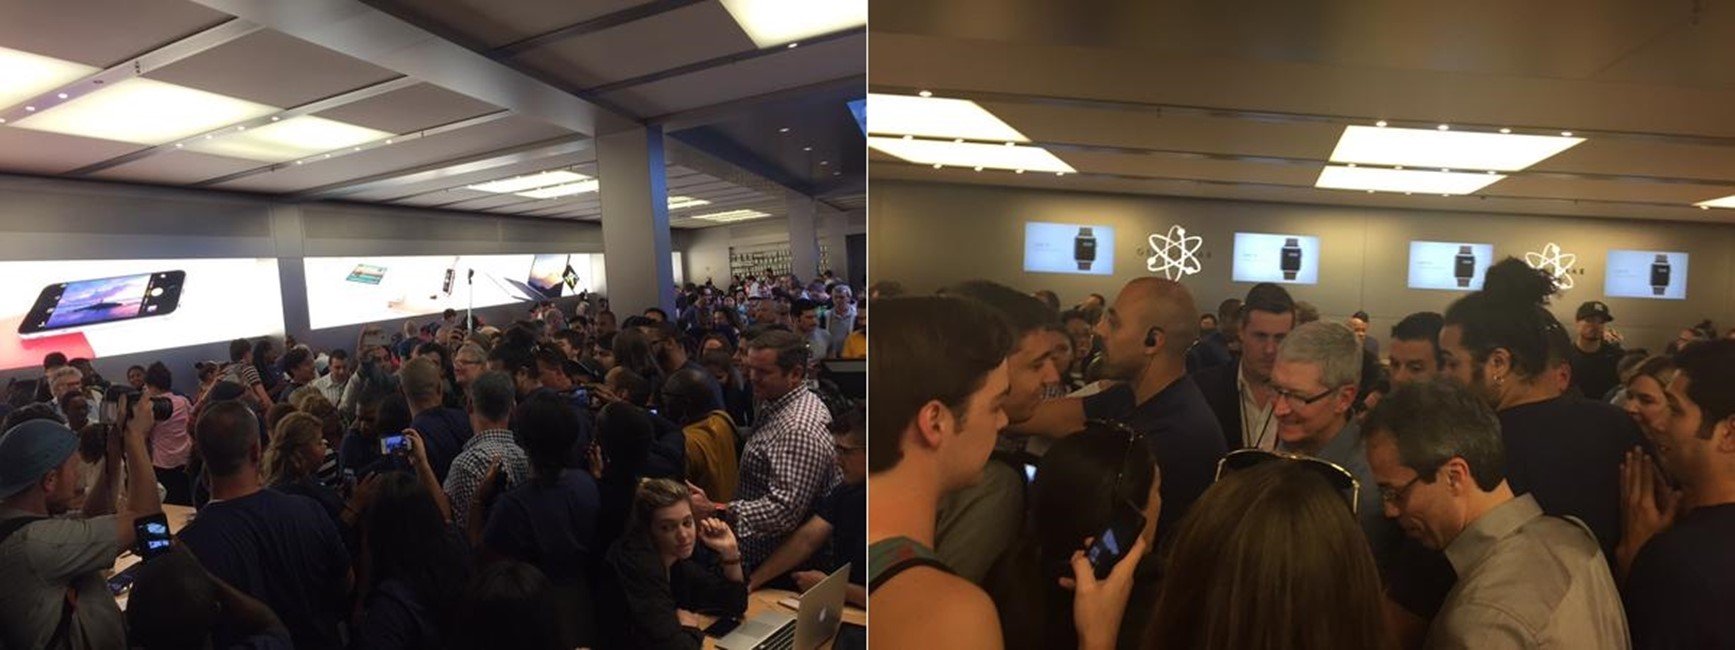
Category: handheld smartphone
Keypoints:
(394, 444)
(367, 274)
(83, 304)
(120, 582)
(374, 338)
(349, 481)
(722, 627)
(151, 536)
(1116, 540)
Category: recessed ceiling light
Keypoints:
(926, 93)
(971, 154)
(28, 75)
(1446, 149)
(145, 111)
(31, 109)
(684, 202)
(292, 138)
(823, 163)
(1566, 134)
(1396, 180)
(558, 191)
(937, 165)
(936, 118)
(772, 22)
(1443, 127)
(1725, 202)
(732, 216)
(1381, 123)
(1505, 130)
(783, 130)
(61, 95)
(533, 181)
(978, 168)
(807, 148)
(794, 45)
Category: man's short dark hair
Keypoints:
(803, 306)
(337, 355)
(1421, 326)
(173, 603)
(130, 369)
(688, 393)
(449, 313)
(239, 348)
(32, 411)
(227, 432)
(53, 360)
(492, 396)
(1025, 313)
(791, 348)
(295, 357)
(573, 338)
(1228, 310)
(632, 387)
(659, 312)
(1709, 367)
(1269, 298)
(1436, 421)
(515, 359)
(158, 376)
(927, 348)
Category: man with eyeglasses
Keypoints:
(1525, 579)
(1314, 382)
(838, 526)
(1240, 393)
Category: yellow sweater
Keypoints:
(712, 462)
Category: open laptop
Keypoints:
(820, 614)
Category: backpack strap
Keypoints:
(889, 557)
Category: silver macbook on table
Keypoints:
(816, 621)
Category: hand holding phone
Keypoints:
(395, 444)
(151, 535)
(1115, 542)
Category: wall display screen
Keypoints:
(1068, 248)
(1262, 257)
(350, 290)
(101, 308)
(1453, 266)
(1646, 274)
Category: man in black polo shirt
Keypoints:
(1594, 358)
(1681, 586)
(1145, 335)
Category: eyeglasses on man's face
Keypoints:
(1396, 496)
(1297, 400)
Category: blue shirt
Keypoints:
(279, 548)
(551, 527)
(1185, 437)
(444, 430)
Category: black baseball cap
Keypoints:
(1594, 308)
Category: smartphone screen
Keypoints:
(70, 305)
(120, 582)
(393, 444)
(151, 535)
(1116, 540)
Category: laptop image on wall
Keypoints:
(816, 621)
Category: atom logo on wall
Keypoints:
(1175, 254)
(1556, 263)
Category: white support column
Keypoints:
(635, 220)
(803, 239)
(831, 227)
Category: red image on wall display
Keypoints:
(19, 352)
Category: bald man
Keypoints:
(1145, 334)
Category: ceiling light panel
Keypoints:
(287, 140)
(24, 75)
(971, 154)
(144, 111)
(775, 22)
(684, 202)
(533, 181)
(558, 191)
(1402, 180)
(935, 117)
(732, 216)
(1437, 149)
(1725, 202)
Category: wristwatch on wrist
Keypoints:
(1291, 258)
(1660, 275)
(1084, 248)
(1464, 266)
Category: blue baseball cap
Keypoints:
(30, 451)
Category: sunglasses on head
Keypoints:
(1132, 437)
(1339, 478)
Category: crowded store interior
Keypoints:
(432, 324)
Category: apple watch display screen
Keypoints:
(1267, 257)
(1068, 248)
(1449, 266)
(1658, 275)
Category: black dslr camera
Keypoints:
(161, 408)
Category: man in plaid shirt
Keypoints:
(491, 401)
(788, 464)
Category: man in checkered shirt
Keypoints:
(491, 402)
(788, 464)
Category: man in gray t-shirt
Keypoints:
(55, 594)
